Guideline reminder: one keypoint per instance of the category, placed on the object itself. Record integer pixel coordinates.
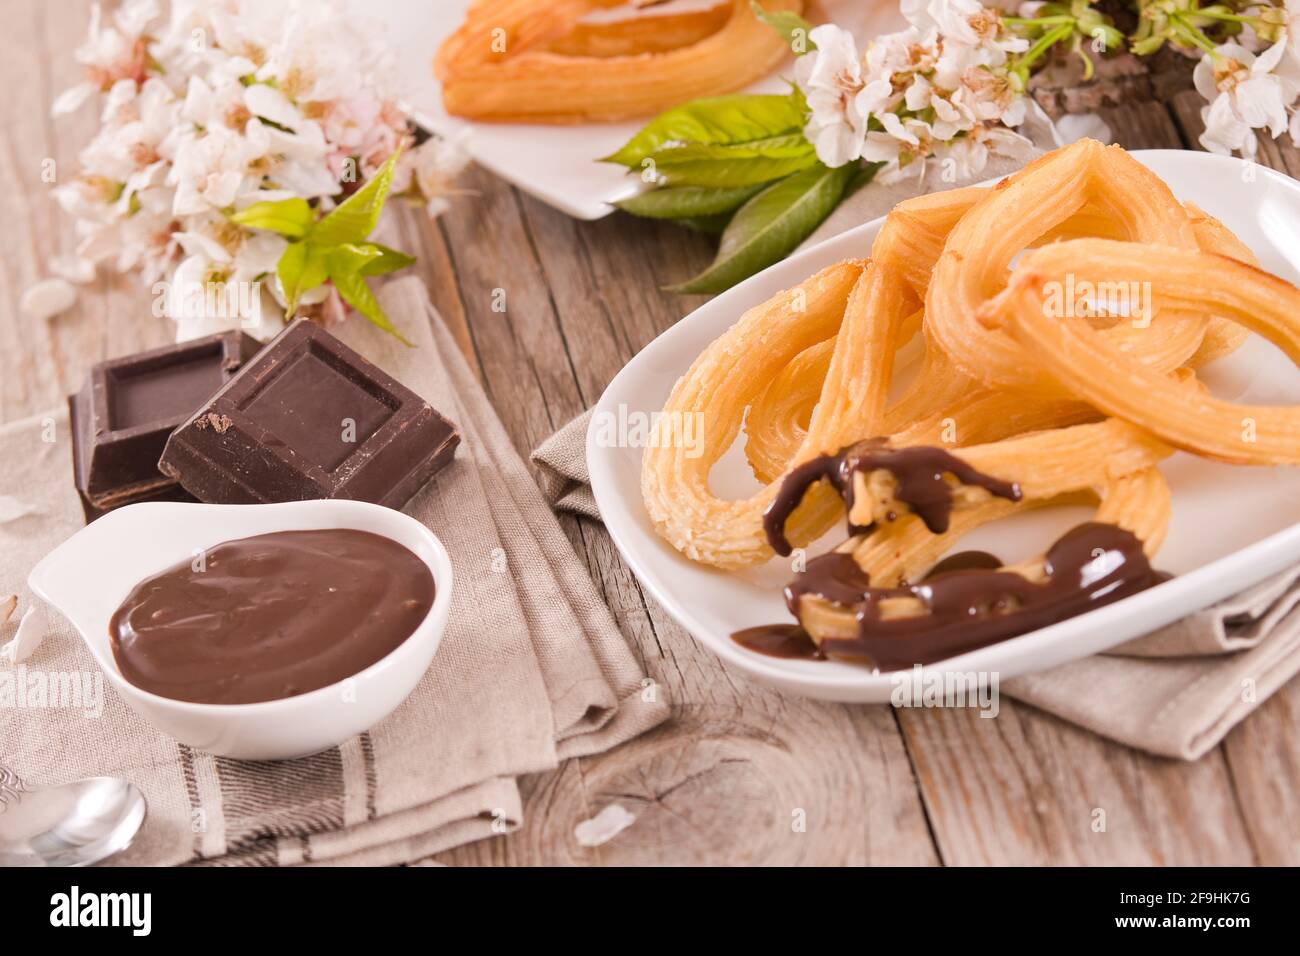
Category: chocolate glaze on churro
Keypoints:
(1089, 566)
(834, 576)
(964, 561)
(918, 471)
(779, 640)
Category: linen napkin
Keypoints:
(532, 668)
(1175, 692)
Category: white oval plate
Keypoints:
(1231, 526)
(557, 164)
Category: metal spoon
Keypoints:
(74, 824)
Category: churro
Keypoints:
(1063, 376)
(536, 61)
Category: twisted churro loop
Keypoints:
(1138, 502)
(1090, 367)
(732, 372)
(1030, 403)
(1011, 217)
(945, 402)
(501, 66)
(1222, 336)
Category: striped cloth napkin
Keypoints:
(532, 668)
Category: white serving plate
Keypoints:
(557, 164)
(88, 576)
(1231, 526)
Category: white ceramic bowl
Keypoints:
(88, 576)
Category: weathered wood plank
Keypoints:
(1144, 125)
(1263, 755)
(1026, 788)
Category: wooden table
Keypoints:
(723, 782)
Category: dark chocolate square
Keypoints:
(306, 395)
(310, 418)
(140, 394)
(123, 415)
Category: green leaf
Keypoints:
(743, 164)
(709, 225)
(367, 259)
(288, 217)
(302, 267)
(344, 263)
(351, 258)
(723, 119)
(789, 24)
(769, 226)
(687, 202)
(356, 217)
(784, 146)
(388, 260)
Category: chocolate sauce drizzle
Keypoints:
(918, 470)
(1089, 566)
(964, 561)
(780, 640)
(845, 582)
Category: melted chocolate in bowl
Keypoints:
(271, 616)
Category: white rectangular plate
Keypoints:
(1231, 526)
(557, 164)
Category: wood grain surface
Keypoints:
(741, 774)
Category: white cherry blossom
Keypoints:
(966, 22)
(207, 106)
(1246, 93)
(432, 172)
(831, 79)
(969, 154)
(941, 84)
(111, 52)
(211, 164)
(902, 142)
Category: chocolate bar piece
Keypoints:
(123, 414)
(310, 418)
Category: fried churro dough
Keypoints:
(1084, 362)
(1015, 214)
(501, 65)
(1222, 336)
(1046, 466)
(1138, 501)
(629, 36)
(869, 304)
(777, 422)
(1013, 392)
